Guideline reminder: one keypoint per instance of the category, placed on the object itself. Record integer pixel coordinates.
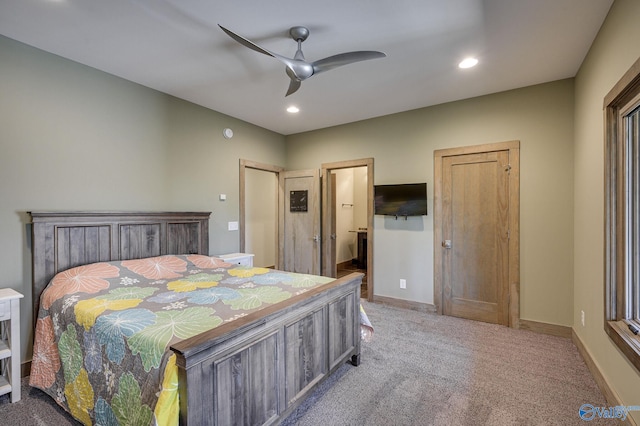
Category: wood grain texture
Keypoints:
(509, 295)
(406, 304)
(621, 221)
(476, 221)
(301, 239)
(239, 378)
(546, 328)
(63, 240)
(305, 356)
(273, 357)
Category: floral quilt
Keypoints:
(103, 332)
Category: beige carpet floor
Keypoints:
(425, 369)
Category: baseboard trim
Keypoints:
(405, 304)
(25, 369)
(610, 395)
(347, 264)
(545, 328)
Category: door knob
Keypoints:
(447, 244)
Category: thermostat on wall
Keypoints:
(227, 133)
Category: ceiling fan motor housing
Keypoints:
(299, 33)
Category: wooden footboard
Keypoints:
(259, 371)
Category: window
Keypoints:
(622, 214)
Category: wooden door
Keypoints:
(300, 220)
(475, 231)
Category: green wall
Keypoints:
(612, 54)
(74, 138)
(402, 145)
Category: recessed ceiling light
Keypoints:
(468, 63)
(293, 109)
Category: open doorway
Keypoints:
(348, 220)
(350, 189)
(259, 195)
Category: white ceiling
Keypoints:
(176, 47)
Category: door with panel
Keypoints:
(300, 221)
(475, 229)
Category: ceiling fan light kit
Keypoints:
(297, 68)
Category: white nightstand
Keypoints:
(243, 259)
(10, 343)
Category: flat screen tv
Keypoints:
(409, 199)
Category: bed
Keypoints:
(232, 357)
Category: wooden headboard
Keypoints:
(63, 240)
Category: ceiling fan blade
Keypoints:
(251, 45)
(293, 87)
(341, 59)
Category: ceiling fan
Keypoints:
(298, 69)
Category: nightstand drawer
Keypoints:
(242, 259)
(5, 310)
